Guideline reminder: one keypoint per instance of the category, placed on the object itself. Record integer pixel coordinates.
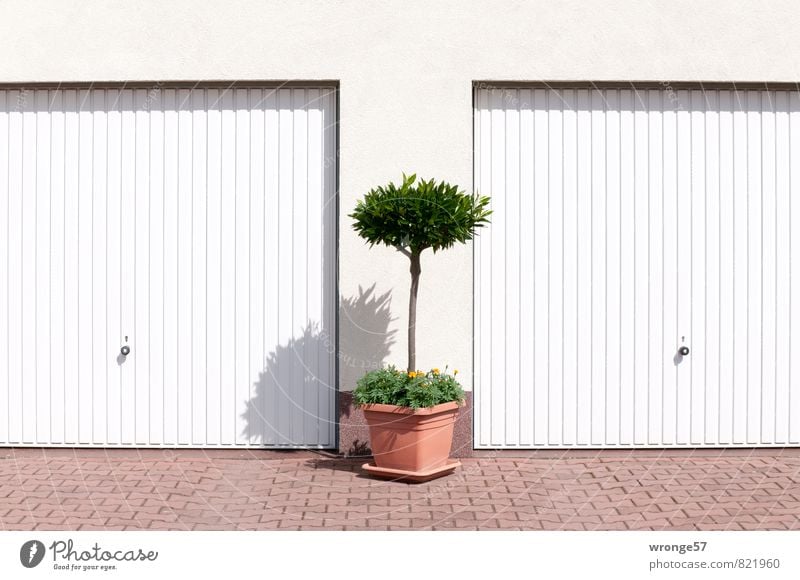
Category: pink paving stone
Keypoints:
(574, 490)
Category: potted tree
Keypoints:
(411, 413)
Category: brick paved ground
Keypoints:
(193, 490)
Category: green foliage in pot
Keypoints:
(415, 389)
(413, 217)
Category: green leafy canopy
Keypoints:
(391, 386)
(419, 214)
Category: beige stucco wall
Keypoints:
(405, 68)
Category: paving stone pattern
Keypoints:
(260, 490)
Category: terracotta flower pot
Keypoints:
(411, 443)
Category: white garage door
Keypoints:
(195, 226)
(628, 224)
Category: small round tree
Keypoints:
(414, 217)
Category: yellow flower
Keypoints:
(455, 372)
(435, 371)
(412, 374)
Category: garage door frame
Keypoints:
(332, 84)
(666, 86)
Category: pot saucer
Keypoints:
(410, 476)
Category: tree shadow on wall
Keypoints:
(365, 339)
(293, 400)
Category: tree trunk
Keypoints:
(416, 268)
